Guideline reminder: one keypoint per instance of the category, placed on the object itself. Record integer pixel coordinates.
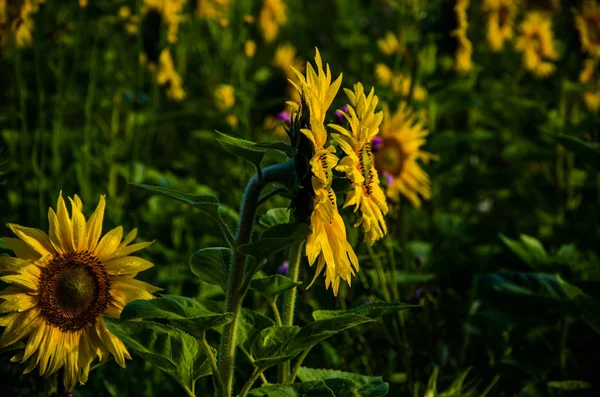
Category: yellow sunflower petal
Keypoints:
(127, 265)
(28, 277)
(21, 249)
(35, 238)
(8, 264)
(112, 343)
(79, 226)
(109, 243)
(64, 224)
(130, 249)
(16, 300)
(19, 327)
(94, 225)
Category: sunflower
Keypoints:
(62, 284)
(536, 41)
(591, 97)
(214, 9)
(402, 136)
(501, 17)
(464, 48)
(167, 75)
(327, 244)
(366, 194)
(224, 96)
(272, 16)
(171, 13)
(16, 21)
(400, 83)
(588, 24)
(389, 44)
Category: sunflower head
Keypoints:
(536, 42)
(501, 16)
(61, 284)
(402, 135)
(587, 22)
(272, 16)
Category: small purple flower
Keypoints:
(339, 114)
(389, 178)
(420, 293)
(367, 302)
(418, 260)
(283, 269)
(376, 143)
(285, 116)
(68, 394)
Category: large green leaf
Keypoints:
(210, 265)
(275, 216)
(276, 238)
(272, 286)
(204, 202)
(529, 249)
(589, 306)
(241, 148)
(173, 351)
(569, 385)
(371, 310)
(319, 330)
(304, 389)
(268, 344)
(186, 314)
(367, 386)
(586, 152)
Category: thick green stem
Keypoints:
(250, 382)
(290, 299)
(236, 289)
(298, 365)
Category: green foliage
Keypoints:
(204, 202)
(248, 150)
(371, 310)
(169, 349)
(367, 386)
(272, 286)
(587, 152)
(210, 265)
(275, 239)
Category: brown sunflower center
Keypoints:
(74, 290)
(391, 157)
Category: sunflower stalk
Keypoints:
(236, 287)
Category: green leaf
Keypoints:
(304, 389)
(569, 385)
(210, 265)
(186, 314)
(275, 216)
(319, 330)
(275, 239)
(268, 344)
(530, 250)
(589, 306)
(173, 351)
(3, 245)
(272, 286)
(241, 148)
(204, 202)
(368, 386)
(371, 310)
(279, 146)
(586, 152)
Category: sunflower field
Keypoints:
(272, 198)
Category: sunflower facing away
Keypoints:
(588, 24)
(366, 194)
(62, 284)
(501, 17)
(403, 135)
(589, 76)
(536, 41)
(327, 244)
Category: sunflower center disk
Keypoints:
(390, 158)
(74, 290)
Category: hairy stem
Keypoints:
(236, 288)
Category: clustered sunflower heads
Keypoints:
(536, 41)
(61, 284)
(366, 195)
(403, 134)
(464, 49)
(272, 16)
(327, 244)
(587, 22)
(501, 17)
(16, 22)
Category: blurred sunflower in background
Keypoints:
(62, 284)
(536, 42)
(464, 49)
(272, 16)
(214, 9)
(16, 22)
(402, 135)
(589, 75)
(587, 22)
(501, 17)
(166, 75)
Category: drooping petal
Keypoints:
(35, 238)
